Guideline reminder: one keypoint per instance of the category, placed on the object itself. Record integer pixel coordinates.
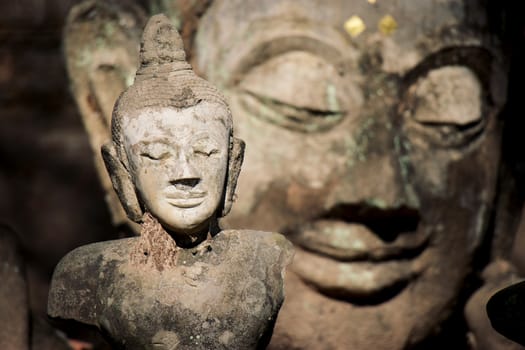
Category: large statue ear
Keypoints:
(235, 159)
(122, 184)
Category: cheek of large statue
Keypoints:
(455, 221)
(457, 192)
(289, 177)
(369, 162)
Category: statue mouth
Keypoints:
(365, 261)
(349, 242)
(185, 199)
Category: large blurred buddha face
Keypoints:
(376, 153)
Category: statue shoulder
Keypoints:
(259, 259)
(268, 246)
(72, 294)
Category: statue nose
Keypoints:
(183, 174)
(185, 183)
(381, 182)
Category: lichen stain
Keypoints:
(84, 58)
(404, 166)
(357, 145)
(331, 98)
(226, 337)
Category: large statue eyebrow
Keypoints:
(477, 58)
(274, 42)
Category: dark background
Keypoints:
(49, 190)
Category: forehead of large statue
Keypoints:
(404, 32)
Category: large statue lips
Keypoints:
(355, 242)
(349, 260)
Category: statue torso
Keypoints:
(223, 294)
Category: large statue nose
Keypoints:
(375, 191)
(381, 181)
(377, 176)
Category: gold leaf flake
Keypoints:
(354, 26)
(387, 25)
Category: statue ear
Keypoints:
(235, 159)
(122, 184)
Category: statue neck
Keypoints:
(159, 247)
(153, 230)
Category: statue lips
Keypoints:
(349, 261)
(185, 199)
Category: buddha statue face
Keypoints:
(178, 160)
(375, 149)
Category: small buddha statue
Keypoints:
(173, 161)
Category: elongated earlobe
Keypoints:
(121, 180)
(234, 168)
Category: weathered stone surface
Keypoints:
(224, 294)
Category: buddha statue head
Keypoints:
(374, 144)
(172, 153)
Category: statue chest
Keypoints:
(199, 303)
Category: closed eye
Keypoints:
(153, 156)
(206, 153)
(297, 90)
(446, 106)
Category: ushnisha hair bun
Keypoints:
(164, 78)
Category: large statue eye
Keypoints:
(446, 106)
(297, 90)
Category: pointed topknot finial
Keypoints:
(161, 44)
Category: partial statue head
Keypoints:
(172, 152)
(374, 146)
